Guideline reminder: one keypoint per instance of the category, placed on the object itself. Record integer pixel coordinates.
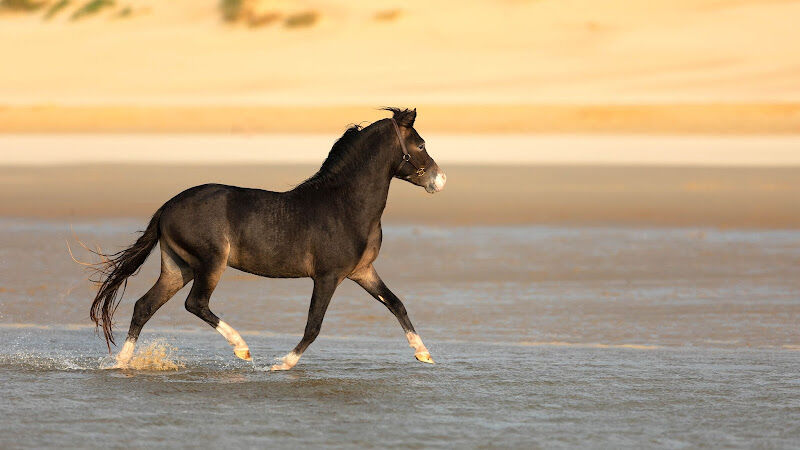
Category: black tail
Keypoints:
(113, 273)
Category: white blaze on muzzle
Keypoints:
(439, 181)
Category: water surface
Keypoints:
(543, 337)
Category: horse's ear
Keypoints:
(404, 117)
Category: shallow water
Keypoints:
(370, 392)
(543, 336)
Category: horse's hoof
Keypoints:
(424, 357)
(243, 353)
(282, 366)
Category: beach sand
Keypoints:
(755, 197)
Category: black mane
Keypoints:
(346, 151)
(339, 158)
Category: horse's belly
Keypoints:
(272, 264)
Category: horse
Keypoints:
(327, 228)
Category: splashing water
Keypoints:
(157, 355)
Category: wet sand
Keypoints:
(752, 197)
(525, 285)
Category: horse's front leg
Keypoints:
(368, 279)
(323, 291)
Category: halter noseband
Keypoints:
(406, 155)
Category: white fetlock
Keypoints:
(124, 356)
(420, 352)
(240, 348)
(287, 362)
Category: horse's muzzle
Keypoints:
(437, 182)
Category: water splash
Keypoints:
(157, 355)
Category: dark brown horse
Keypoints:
(327, 228)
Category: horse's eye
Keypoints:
(422, 146)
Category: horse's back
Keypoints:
(252, 229)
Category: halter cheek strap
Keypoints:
(406, 156)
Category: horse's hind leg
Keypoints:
(174, 275)
(205, 281)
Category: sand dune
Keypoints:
(386, 52)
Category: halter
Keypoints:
(406, 155)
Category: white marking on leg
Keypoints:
(232, 336)
(415, 342)
(125, 355)
(287, 362)
(240, 348)
(420, 351)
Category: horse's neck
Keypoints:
(361, 194)
(365, 196)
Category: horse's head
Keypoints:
(415, 164)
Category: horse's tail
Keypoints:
(113, 272)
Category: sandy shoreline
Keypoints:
(699, 118)
(738, 197)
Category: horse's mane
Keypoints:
(344, 154)
(339, 158)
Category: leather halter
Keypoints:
(406, 156)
